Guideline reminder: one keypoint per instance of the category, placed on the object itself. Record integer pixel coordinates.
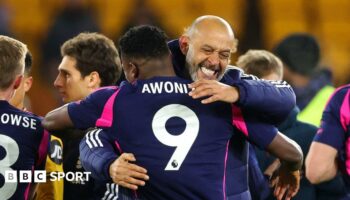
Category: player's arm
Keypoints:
(321, 161)
(288, 151)
(83, 114)
(268, 138)
(321, 167)
(286, 179)
(97, 153)
(57, 119)
(99, 156)
(272, 99)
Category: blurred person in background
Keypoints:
(142, 14)
(329, 156)
(5, 15)
(73, 19)
(50, 189)
(266, 65)
(300, 54)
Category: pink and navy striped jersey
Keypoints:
(335, 128)
(23, 146)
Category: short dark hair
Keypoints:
(28, 62)
(94, 52)
(144, 42)
(260, 63)
(300, 52)
(12, 54)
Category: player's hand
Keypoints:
(286, 183)
(126, 174)
(214, 90)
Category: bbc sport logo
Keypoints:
(40, 176)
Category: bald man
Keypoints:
(203, 54)
(205, 49)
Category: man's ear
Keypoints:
(18, 81)
(28, 82)
(184, 42)
(134, 71)
(94, 80)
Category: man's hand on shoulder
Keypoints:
(214, 91)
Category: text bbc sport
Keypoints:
(39, 176)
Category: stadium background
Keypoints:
(44, 24)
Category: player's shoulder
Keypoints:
(26, 114)
(168, 83)
(231, 74)
(342, 91)
(32, 115)
(172, 79)
(106, 90)
(340, 94)
(24, 120)
(103, 92)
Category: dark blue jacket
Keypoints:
(271, 100)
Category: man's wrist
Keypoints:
(291, 166)
(234, 97)
(107, 169)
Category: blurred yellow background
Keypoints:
(257, 24)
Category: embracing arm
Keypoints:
(98, 156)
(57, 119)
(286, 179)
(267, 137)
(85, 113)
(273, 100)
(97, 153)
(264, 95)
(288, 151)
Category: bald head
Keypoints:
(207, 45)
(210, 23)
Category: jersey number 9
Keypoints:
(184, 141)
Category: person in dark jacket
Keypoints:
(300, 54)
